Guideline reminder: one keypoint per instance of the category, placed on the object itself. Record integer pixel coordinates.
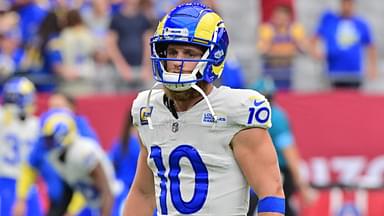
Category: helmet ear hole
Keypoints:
(219, 52)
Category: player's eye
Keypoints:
(192, 54)
(172, 53)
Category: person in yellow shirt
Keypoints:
(279, 42)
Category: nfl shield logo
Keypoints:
(175, 127)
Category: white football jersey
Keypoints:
(80, 158)
(17, 138)
(194, 168)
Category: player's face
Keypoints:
(181, 51)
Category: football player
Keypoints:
(202, 146)
(80, 161)
(18, 132)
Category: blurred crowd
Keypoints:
(101, 46)
(78, 47)
(84, 47)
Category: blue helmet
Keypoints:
(58, 127)
(192, 24)
(19, 91)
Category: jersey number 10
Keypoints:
(201, 179)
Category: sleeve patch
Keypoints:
(145, 112)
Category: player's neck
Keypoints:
(184, 105)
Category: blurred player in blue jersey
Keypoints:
(59, 192)
(202, 146)
(78, 160)
(287, 152)
(18, 132)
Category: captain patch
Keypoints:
(145, 112)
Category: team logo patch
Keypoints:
(207, 118)
(145, 112)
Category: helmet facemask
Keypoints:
(178, 81)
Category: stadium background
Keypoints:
(338, 133)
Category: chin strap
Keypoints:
(194, 86)
(150, 125)
(197, 88)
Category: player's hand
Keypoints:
(19, 208)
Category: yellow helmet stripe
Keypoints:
(160, 27)
(207, 25)
(26, 87)
(52, 121)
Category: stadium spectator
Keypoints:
(80, 161)
(279, 42)
(124, 154)
(267, 8)
(130, 30)
(198, 141)
(31, 15)
(97, 17)
(78, 46)
(345, 36)
(287, 152)
(18, 131)
(44, 57)
(12, 55)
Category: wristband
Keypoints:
(271, 204)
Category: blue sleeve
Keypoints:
(114, 151)
(54, 56)
(322, 26)
(85, 128)
(36, 157)
(366, 36)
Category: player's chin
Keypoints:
(185, 95)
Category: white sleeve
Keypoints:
(252, 110)
(87, 156)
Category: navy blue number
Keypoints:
(156, 156)
(12, 155)
(251, 113)
(201, 179)
(256, 115)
